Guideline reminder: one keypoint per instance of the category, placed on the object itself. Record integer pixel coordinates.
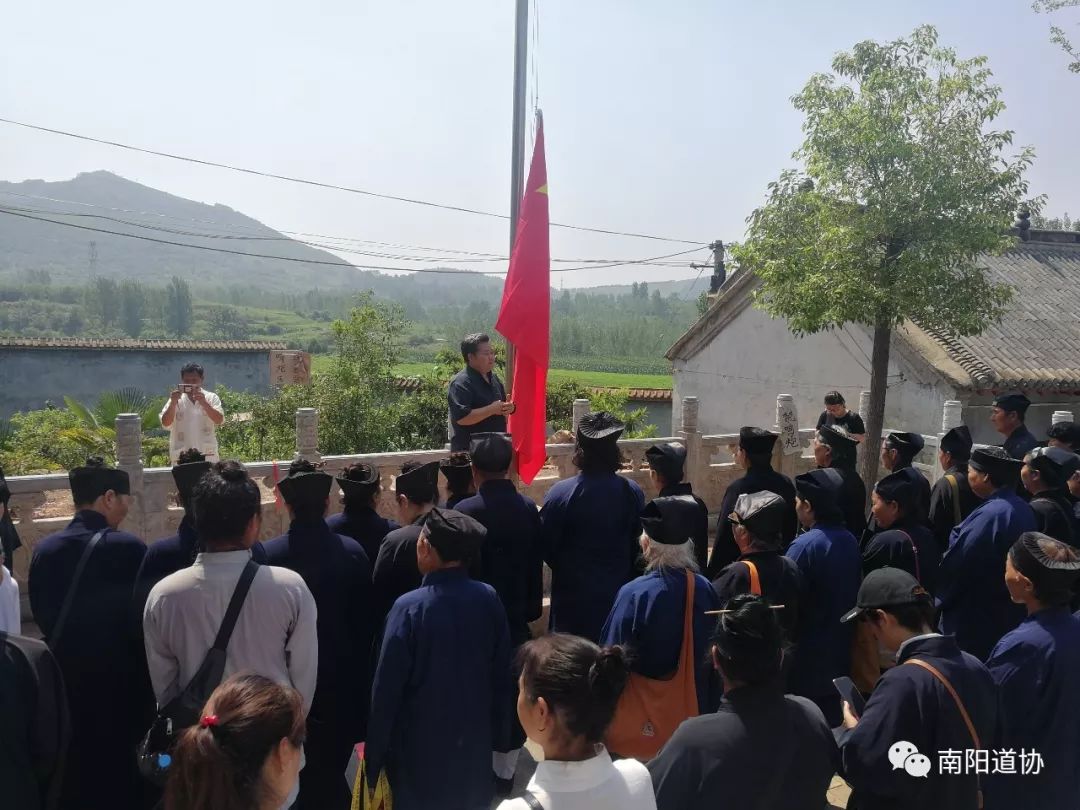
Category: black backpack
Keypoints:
(185, 710)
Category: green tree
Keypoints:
(904, 186)
(226, 323)
(702, 303)
(132, 307)
(178, 313)
(103, 300)
(1057, 33)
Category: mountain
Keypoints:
(105, 201)
(685, 288)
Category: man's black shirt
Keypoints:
(469, 390)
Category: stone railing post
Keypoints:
(787, 422)
(952, 415)
(307, 434)
(581, 407)
(864, 404)
(129, 459)
(1061, 416)
(691, 437)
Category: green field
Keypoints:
(593, 379)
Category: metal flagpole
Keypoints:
(517, 152)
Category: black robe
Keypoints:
(366, 526)
(895, 547)
(853, 500)
(1020, 442)
(337, 572)
(100, 657)
(395, 572)
(761, 749)
(943, 507)
(757, 479)
(781, 584)
(1054, 515)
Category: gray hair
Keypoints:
(671, 557)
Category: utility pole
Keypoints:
(719, 275)
(93, 259)
(517, 151)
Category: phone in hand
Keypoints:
(850, 693)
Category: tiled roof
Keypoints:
(1037, 343)
(642, 394)
(143, 345)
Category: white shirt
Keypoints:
(593, 784)
(10, 613)
(191, 427)
(274, 634)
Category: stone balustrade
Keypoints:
(41, 504)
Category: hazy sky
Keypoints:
(661, 117)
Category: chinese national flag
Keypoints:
(525, 315)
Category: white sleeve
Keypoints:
(161, 416)
(302, 647)
(214, 401)
(163, 666)
(10, 611)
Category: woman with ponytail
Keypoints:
(245, 752)
(567, 694)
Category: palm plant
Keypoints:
(97, 433)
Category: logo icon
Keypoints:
(905, 756)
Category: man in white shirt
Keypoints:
(275, 632)
(10, 612)
(192, 415)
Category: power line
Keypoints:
(320, 184)
(323, 246)
(439, 270)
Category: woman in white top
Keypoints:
(567, 694)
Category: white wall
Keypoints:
(737, 377)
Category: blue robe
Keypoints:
(366, 526)
(338, 574)
(591, 530)
(440, 704)
(1036, 668)
(828, 557)
(100, 657)
(648, 617)
(971, 594)
(511, 559)
(909, 704)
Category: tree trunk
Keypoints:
(875, 419)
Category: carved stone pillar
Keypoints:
(129, 459)
(307, 434)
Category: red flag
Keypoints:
(525, 317)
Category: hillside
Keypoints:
(28, 247)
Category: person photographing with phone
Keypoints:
(192, 415)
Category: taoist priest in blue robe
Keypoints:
(971, 596)
(667, 468)
(1036, 668)
(97, 647)
(828, 557)
(591, 530)
(440, 705)
(338, 574)
(358, 517)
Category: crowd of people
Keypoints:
(819, 637)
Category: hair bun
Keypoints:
(232, 471)
(609, 672)
(95, 461)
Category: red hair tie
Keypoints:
(209, 721)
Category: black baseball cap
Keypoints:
(886, 587)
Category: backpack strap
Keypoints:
(531, 800)
(69, 599)
(755, 579)
(959, 705)
(915, 549)
(224, 633)
(955, 485)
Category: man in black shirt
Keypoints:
(667, 463)
(476, 398)
(1007, 417)
(836, 413)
